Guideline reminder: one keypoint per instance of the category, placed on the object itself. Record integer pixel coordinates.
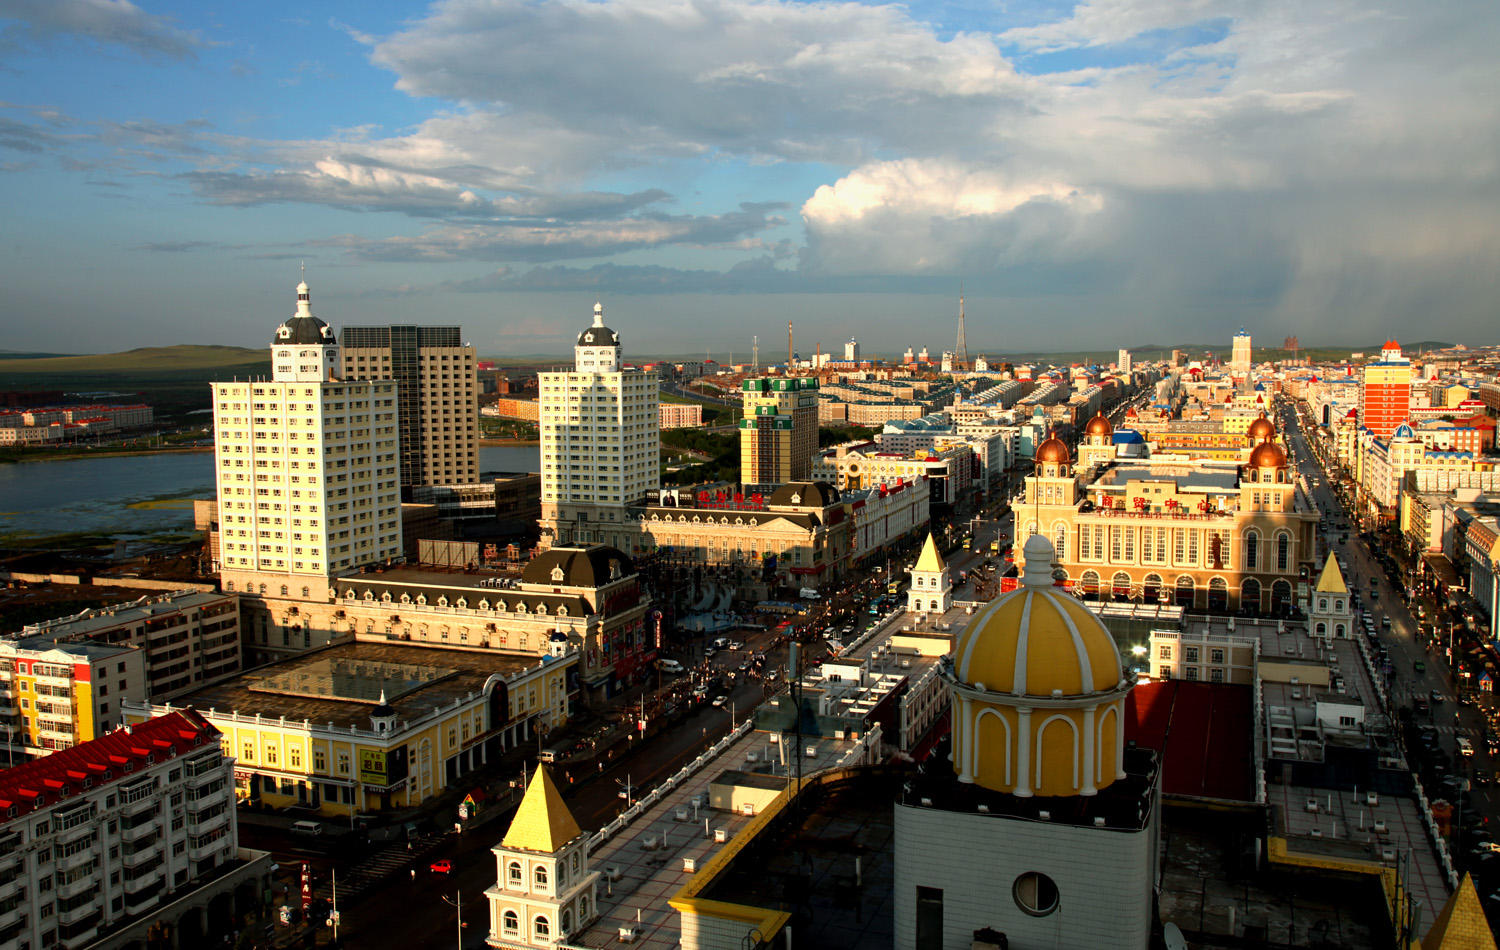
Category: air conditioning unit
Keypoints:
(721, 835)
(650, 843)
(1312, 805)
(627, 935)
(690, 865)
(1381, 829)
(748, 809)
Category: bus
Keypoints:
(893, 588)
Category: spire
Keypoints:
(961, 353)
(1038, 553)
(598, 314)
(542, 823)
(304, 296)
(1331, 581)
(1461, 923)
(930, 560)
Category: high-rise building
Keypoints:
(779, 432)
(1123, 361)
(1239, 360)
(436, 396)
(57, 695)
(1385, 398)
(601, 438)
(307, 471)
(851, 349)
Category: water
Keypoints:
(138, 495)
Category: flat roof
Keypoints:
(1191, 477)
(265, 691)
(118, 615)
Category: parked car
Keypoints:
(1419, 666)
(441, 866)
(720, 700)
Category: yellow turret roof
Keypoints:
(542, 823)
(1461, 925)
(1331, 581)
(930, 559)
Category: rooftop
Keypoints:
(84, 623)
(291, 690)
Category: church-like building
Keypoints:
(1040, 823)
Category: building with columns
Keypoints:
(600, 439)
(544, 890)
(1041, 825)
(1205, 535)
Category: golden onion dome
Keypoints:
(1098, 426)
(1037, 640)
(1053, 450)
(1267, 455)
(1261, 429)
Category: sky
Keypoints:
(1091, 175)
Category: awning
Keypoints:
(1443, 570)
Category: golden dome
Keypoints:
(1037, 640)
(1267, 455)
(1098, 426)
(1261, 429)
(1052, 450)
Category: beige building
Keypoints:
(437, 392)
(600, 439)
(1204, 535)
(55, 696)
(779, 433)
(677, 415)
(308, 476)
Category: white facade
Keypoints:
(600, 439)
(149, 812)
(1123, 362)
(1104, 879)
(306, 467)
(931, 589)
(851, 349)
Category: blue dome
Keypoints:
(1403, 431)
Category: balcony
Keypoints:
(146, 852)
(12, 916)
(210, 824)
(207, 848)
(78, 859)
(137, 832)
(9, 886)
(143, 899)
(87, 882)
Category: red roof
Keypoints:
(109, 758)
(1391, 345)
(1203, 732)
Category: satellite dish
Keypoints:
(1171, 937)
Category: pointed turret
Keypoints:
(930, 559)
(1462, 923)
(543, 823)
(1331, 581)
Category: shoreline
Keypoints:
(510, 442)
(104, 453)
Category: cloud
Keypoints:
(106, 22)
(551, 241)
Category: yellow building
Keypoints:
(365, 727)
(544, 890)
(58, 695)
(1206, 535)
(779, 433)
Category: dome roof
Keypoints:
(592, 567)
(1261, 429)
(1267, 455)
(1098, 426)
(1053, 449)
(598, 334)
(1037, 640)
(304, 329)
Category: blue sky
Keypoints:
(1104, 174)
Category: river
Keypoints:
(140, 495)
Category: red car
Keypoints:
(442, 866)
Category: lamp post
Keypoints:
(458, 904)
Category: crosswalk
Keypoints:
(377, 867)
(1465, 731)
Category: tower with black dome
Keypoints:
(308, 478)
(600, 441)
(1036, 819)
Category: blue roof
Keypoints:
(1127, 436)
(1403, 431)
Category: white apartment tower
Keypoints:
(851, 350)
(1239, 360)
(307, 469)
(601, 439)
(1124, 362)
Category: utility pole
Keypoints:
(458, 904)
(335, 906)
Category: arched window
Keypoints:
(511, 921)
(1089, 582)
(515, 872)
(1151, 587)
(1060, 539)
(1120, 584)
(283, 590)
(1250, 594)
(540, 877)
(1283, 550)
(1338, 630)
(575, 862)
(567, 921)
(1252, 550)
(1186, 591)
(934, 606)
(540, 929)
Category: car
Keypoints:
(1421, 705)
(736, 645)
(1419, 666)
(441, 866)
(1437, 697)
(720, 700)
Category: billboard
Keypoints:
(382, 768)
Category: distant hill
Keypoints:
(185, 358)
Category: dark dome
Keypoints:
(593, 566)
(1098, 426)
(599, 336)
(804, 494)
(1053, 450)
(1261, 429)
(1268, 455)
(303, 331)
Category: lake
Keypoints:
(137, 495)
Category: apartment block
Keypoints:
(779, 432)
(55, 696)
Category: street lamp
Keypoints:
(458, 904)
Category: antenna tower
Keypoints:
(755, 355)
(789, 347)
(961, 352)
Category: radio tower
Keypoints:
(961, 352)
(789, 347)
(755, 356)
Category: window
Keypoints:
(1216, 655)
(511, 922)
(539, 878)
(1347, 721)
(540, 928)
(1283, 550)
(1035, 893)
(1216, 676)
(1192, 673)
(1190, 655)
(1252, 550)
(929, 918)
(1165, 652)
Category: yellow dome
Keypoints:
(1037, 640)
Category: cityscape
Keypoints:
(455, 553)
